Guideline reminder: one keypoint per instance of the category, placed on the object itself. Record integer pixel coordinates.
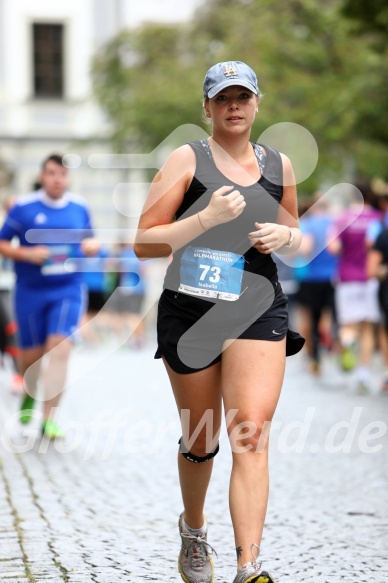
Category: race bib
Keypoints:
(55, 263)
(209, 273)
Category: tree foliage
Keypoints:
(371, 17)
(147, 85)
(312, 69)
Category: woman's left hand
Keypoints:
(269, 237)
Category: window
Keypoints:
(48, 60)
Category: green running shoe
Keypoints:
(348, 359)
(26, 409)
(52, 430)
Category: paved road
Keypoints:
(102, 507)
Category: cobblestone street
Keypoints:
(103, 506)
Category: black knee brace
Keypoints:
(195, 458)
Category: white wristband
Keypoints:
(291, 239)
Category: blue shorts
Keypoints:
(41, 313)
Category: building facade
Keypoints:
(46, 102)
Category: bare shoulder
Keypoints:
(288, 171)
(177, 171)
(286, 161)
(168, 188)
(180, 161)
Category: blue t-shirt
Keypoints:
(323, 266)
(375, 228)
(37, 212)
(94, 277)
(131, 277)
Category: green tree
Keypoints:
(311, 68)
(147, 86)
(371, 17)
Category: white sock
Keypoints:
(362, 373)
(194, 530)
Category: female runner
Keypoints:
(222, 206)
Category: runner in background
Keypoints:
(290, 286)
(316, 291)
(131, 295)
(377, 267)
(8, 346)
(355, 295)
(49, 298)
(95, 278)
(8, 326)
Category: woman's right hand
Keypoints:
(225, 205)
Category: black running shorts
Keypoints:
(191, 331)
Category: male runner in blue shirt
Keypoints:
(48, 291)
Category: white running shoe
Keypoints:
(194, 563)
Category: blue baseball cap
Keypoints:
(227, 74)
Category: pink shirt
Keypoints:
(352, 259)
